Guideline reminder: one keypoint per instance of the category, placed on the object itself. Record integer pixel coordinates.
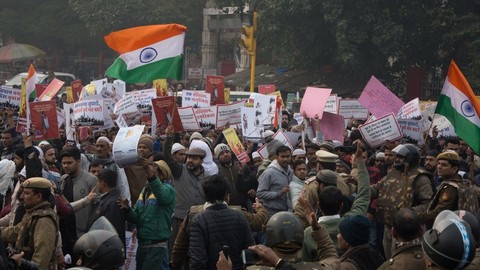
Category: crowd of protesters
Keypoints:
(190, 204)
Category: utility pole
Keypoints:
(249, 42)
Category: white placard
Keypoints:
(252, 128)
(125, 145)
(187, 116)
(229, 113)
(349, 108)
(410, 109)
(412, 129)
(332, 104)
(195, 99)
(207, 117)
(378, 131)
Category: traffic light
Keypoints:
(248, 38)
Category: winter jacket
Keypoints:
(239, 184)
(296, 187)
(270, 186)
(213, 228)
(153, 212)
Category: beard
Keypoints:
(284, 124)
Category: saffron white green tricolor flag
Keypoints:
(458, 104)
(147, 53)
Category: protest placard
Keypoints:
(427, 109)
(51, 90)
(236, 145)
(127, 110)
(410, 110)
(125, 145)
(76, 91)
(252, 128)
(266, 105)
(10, 98)
(314, 101)
(207, 117)
(195, 99)
(331, 105)
(378, 99)
(331, 125)
(60, 117)
(229, 114)
(69, 124)
(266, 89)
(131, 252)
(166, 113)
(349, 108)
(161, 86)
(43, 117)
(279, 136)
(188, 118)
(100, 86)
(226, 92)
(293, 137)
(143, 99)
(88, 113)
(444, 127)
(108, 106)
(378, 131)
(412, 130)
(215, 86)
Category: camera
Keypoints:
(249, 257)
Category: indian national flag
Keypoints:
(31, 81)
(147, 53)
(458, 104)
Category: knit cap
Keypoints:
(219, 148)
(177, 147)
(146, 140)
(355, 230)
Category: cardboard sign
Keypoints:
(127, 110)
(10, 98)
(349, 108)
(215, 87)
(40, 88)
(195, 99)
(378, 99)
(236, 145)
(166, 113)
(332, 104)
(88, 113)
(410, 110)
(314, 101)
(143, 99)
(229, 114)
(252, 128)
(412, 130)
(207, 117)
(188, 118)
(266, 89)
(100, 85)
(378, 131)
(43, 116)
(51, 90)
(331, 125)
(445, 128)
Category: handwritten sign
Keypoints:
(378, 131)
(314, 101)
(195, 99)
(349, 108)
(229, 113)
(378, 99)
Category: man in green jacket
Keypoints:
(331, 203)
(152, 214)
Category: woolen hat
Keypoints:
(355, 230)
(329, 146)
(46, 147)
(146, 140)
(325, 156)
(220, 148)
(297, 152)
(37, 182)
(327, 177)
(177, 147)
(162, 165)
(272, 147)
(195, 135)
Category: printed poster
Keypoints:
(207, 117)
(166, 113)
(76, 91)
(410, 110)
(349, 108)
(227, 95)
(188, 118)
(10, 98)
(266, 89)
(376, 132)
(40, 88)
(378, 99)
(70, 133)
(143, 99)
(229, 114)
(252, 128)
(332, 104)
(412, 130)
(43, 117)
(215, 87)
(100, 86)
(125, 145)
(314, 101)
(196, 99)
(266, 105)
(161, 86)
(88, 113)
(236, 145)
(445, 128)
(126, 111)
(51, 90)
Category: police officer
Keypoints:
(36, 234)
